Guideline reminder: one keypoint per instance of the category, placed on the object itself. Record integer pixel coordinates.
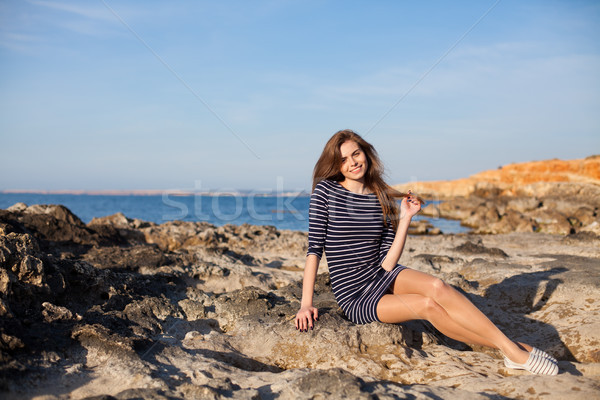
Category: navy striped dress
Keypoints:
(350, 228)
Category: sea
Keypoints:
(283, 212)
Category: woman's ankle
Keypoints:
(516, 354)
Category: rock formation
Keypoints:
(553, 196)
(126, 309)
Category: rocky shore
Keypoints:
(125, 309)
(553, 196)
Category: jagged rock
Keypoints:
(119, 225)
(52, 224)
(103, 343)
(483, 215)
(53, 313)
(24, 280)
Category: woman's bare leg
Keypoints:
(395, 308)
(476, 327)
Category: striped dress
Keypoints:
(350, 228)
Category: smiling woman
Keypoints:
(349, 159)
(355, 220)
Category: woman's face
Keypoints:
(354, 161)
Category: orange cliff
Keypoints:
(514, 178)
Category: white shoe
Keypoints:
(536, 364)
(542, 353)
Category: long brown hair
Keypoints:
(329, 164)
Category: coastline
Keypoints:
(282, 212)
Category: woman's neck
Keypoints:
(358, 187)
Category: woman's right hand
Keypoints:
(409, 206)
(306, 317)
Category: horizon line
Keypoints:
(152, 192)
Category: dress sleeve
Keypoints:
(318, 215)
(387, 238)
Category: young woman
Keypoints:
(354, 217)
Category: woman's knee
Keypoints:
(431, 308)
(439, 289)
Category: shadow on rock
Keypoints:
(511, 302)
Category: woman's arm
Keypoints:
(318, 216)
(408, 208)
(308, 313)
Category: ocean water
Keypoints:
(283, 212)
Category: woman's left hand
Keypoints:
(409, 206)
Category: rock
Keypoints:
(435, 262)
(460, 207)
(423, 227)
(23, 277)
(594, 227)
(119, 226)
(17, 207)
(483, 215)
(135, 257)
(119, 220)
(431, 210)
(511, 221)
(190, 310)
(53, 313)
(174, 235)
(478, 248)
(60, 213)
(51, 223)
(551, 221)
(525, 179)
(10, 343)
(103, 344)
(194, 310)
(585, 216)
(553, 196)
(523, 204)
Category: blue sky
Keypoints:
(243, 95)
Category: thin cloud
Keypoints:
(20, 42)
(89, 20)
(97, 13)
(32, 25)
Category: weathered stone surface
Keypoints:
(470, 247)
(190, 310)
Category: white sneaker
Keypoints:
(542, 353)
(536, 364)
